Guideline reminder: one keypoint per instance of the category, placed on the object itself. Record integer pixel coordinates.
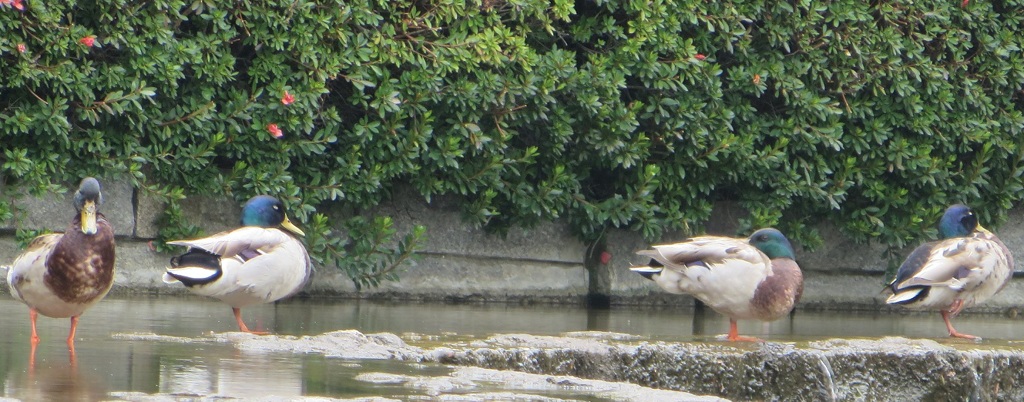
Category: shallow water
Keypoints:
(110, 367)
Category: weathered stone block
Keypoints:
(623, 245)
(847, 370)
(839, 252)
(449, 233)
(139, 269)
(212, 214)
(53, 212)
(1012, 234)
(8, 251)
(330, 281)
(147, 215)
(849, 291)
(483, 279)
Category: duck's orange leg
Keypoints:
(241, 324)
(952, 331)
(71, 336)
(33, 341)
(32, 359)
(734, 334)
(32, 316)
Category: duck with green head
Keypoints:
(753, 278)
(965, 267)
(261, 262)
(62, 274)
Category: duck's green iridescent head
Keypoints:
(87, 201)
(772, 243)
(268, 212)
(957, 221)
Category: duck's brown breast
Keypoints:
(81, 267)
(778, 293)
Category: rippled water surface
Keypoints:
(109, 367)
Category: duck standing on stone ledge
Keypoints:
(62, 275)
(966, 267)
(257, 263)
(752, 278)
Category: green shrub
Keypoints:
(605, 114)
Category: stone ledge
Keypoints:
(890, 368)
(884, 369)
(461, 384)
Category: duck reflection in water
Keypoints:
(54, 381)
(280, 376)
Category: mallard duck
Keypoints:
(965, 267)
(62, 275)
(752, 278)
(257, 263)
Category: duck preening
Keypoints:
(260, 262)
(753, 278)
(965, 267)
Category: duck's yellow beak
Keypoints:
(89, 217)
(287, 224)
(982, 229)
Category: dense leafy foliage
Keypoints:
(638, 114)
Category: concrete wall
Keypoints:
(463, 263)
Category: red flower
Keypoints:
(287, 99)
(88, 40)
(606, 257)
(699, 56)
(21, 48)
(17, 4)
(274, 131)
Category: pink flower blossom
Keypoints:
(287, 98)
(88, 41)
(21, 48)
(700, 56)
(274, 131)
